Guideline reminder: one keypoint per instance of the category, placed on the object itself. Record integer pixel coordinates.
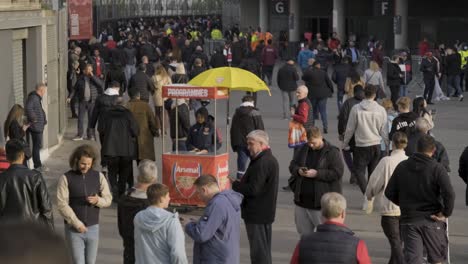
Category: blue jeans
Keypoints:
(84, 246)
(130, 70)
(319, 105)
(403, 90)
(453, 82)
(243, 156)
(288, 102)
(339, 99)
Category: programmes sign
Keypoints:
(80, 13)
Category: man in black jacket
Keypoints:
(316, 169)
(119, 131)
(320, 88)
(394, 78)
(87, 89)
(260, 189)
(287, 78)
(134, 201)
(340, 73)
(342, 122)
(422, 189)
(429, 69)
(246, 119)
(37, 120)
(453, 62)
(23, 192)
(422, 128)
(141, 83)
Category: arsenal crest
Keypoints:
(222, 174)
(184, 174)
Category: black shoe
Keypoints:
(74, 117)
(325, 130)
(430, 103)
(286, 188)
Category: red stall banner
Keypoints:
(181, 171)
(194, 92)
(80, 14)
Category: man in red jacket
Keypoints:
(333, 242)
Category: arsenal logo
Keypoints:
(184, 174)
(222, 174)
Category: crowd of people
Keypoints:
(115, 83)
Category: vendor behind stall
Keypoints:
(201, 135)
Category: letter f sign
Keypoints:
(384, 8)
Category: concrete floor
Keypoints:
(451, 129)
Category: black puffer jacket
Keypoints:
(142, 83)
(24, 196)
(309, 191)
(318, 82)
(35, 113)
(96, 87)
(287, 78)
(245, 120)
(119, 131)
(127, 209)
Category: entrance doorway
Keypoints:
(317, 24)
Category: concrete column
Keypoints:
(294, 13)
(339, 19)
(401, 9)
(263, 15)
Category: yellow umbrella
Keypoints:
(231, 78)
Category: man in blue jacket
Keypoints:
(216, 234)
(304, 56)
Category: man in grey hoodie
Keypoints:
(368, 123)
(159, 237)
(216, 234)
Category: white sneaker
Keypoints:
(78, 138)
(365, 204)
(460, 97)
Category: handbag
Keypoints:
(297, 135)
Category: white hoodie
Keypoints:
(379, 179)
(368, 123)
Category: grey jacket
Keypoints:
(34, 112)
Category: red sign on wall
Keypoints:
(80, 15)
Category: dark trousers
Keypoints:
(267, 71)
(453, 83)
(120, 171)
(243, 157)
(319, 105)
(429, 85)
(129, 251)
(391, 229)
(427, 236)
(365, 157)
(348, 158)
(36, 138)
(85, 107)
(259, 236)
(394, 95)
